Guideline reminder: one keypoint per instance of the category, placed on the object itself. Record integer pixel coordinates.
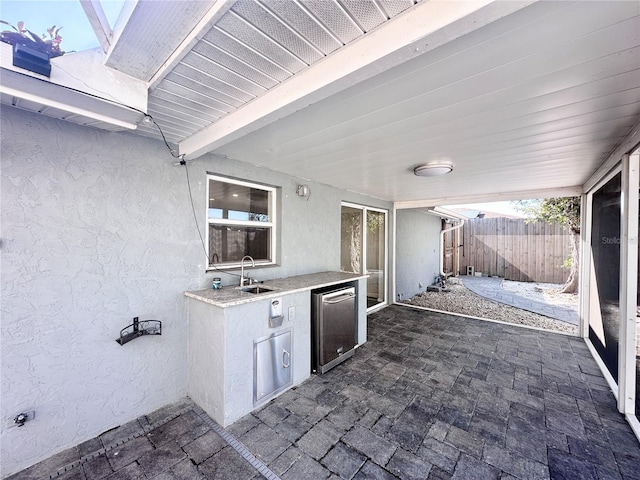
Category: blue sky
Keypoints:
(506, 208)
(77, 34)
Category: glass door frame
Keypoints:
(365, 209)
(587, 272)
(629, 286)
(625, 390)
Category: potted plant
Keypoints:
(26, 38)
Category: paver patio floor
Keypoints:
(429, 396)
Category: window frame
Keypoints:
(271, 224)
(365, 210)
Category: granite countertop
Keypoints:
(230, 296)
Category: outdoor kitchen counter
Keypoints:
(231, 296)
(224, 327)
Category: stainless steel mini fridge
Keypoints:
(333, 323)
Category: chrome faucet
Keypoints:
(253, 264)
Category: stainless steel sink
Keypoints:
(256, 289)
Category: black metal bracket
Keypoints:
(20, 419)
(139, 328)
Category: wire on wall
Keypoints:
(183, 162)
(150, 120)
(193, 209)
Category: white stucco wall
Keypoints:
(418, 250)
(97, 228)
(222, 388)
(93, 233)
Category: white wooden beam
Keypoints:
(99, 22)
(125, 15)
(422, 28)
(494, 197)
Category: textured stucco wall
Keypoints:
(418, 250)
(97, 228)
(94, 232)
(309, 228)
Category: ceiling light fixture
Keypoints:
(433, 169)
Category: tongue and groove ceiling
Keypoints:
(242, 50)
(533, 101)
(520, 96)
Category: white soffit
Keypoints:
(534, 101)
(80, 90)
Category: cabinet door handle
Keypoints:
(286, 355)
(339, 299)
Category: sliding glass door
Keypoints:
(604, 318)
(610, 282)
(364, 249)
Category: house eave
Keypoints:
(80, 89)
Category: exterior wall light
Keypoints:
(303, 191)
(433, 169)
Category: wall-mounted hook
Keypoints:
(22, 418)
(139, 328)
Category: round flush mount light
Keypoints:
(433, 169)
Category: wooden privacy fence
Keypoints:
(515, 250)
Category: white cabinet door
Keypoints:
(272, 365)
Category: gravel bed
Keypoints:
(459, 299)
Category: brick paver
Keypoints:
(429, 396)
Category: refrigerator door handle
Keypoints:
(288, 357)
(339, 299)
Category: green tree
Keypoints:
(566, 212)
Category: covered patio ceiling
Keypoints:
(524, 98)
(535, 101)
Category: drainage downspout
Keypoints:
(446, 230)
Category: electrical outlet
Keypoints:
(292, 313)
